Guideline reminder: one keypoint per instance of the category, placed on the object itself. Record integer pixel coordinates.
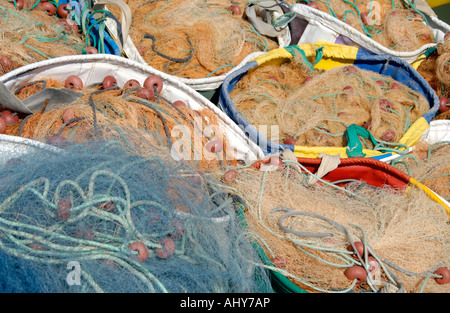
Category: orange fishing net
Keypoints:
(192, 135)
(194, 39)
(435, 69)
(29, 35)
(429, 164)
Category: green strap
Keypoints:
(430, 51)
(319, 55)
(354, 145)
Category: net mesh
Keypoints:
(435, 69)
(430, 165)
(305, 226)
(99, 218)
(194, 39)
(30, 35)
(397, 25)
(191, 134)
(315, 108)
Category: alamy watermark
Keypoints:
(74, 276)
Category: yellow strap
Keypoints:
(415, 132)
(313, 152)
(419, 61)
(275, 54)
(333, 54)
(330, 50)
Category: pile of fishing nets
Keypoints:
(33, 31)
(397, 25)
(435, 69)
(310, 228)
(194, 39)
(315, 108)
(194, 135)
(97, 217)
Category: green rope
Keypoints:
(59, 243)
(219, 68)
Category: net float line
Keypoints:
(193, 135)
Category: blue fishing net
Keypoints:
(99, 217)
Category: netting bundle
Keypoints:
(194, 39)
(429, 163)
(310, 227)
(192, 134)
(436, 71)
(30, 35)
(315, 108)
(97, 218)
(396, 25)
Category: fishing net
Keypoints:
(309, 228)
(311, 107)
(191, 134)
(435, 69)
(397, 25)
(99, 218)
(194, 39)
(30, 35)
(429, 164)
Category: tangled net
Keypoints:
(429, 164)
(97, 218)
(396, 25)
(314, 108)
(435, 69)
(310, 229)
(30, 35)
(193, 135)
(194, 39)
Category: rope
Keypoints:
(150, 36)
(302, 242)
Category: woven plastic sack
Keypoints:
(334, 55)
(321, 26)
(94, 67)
